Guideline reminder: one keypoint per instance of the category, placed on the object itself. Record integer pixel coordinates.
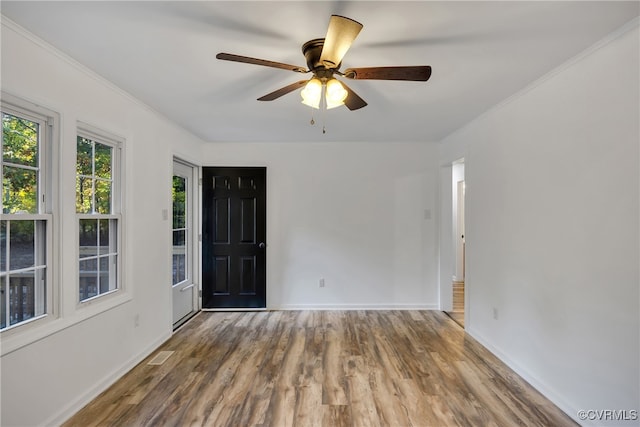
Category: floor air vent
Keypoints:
(160, 358)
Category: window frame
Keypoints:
(116, 144)
(47, 176)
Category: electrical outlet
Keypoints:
(495, 313)
(322, 283)
(136, 320)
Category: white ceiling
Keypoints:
(163, 53)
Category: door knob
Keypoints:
(261, 245)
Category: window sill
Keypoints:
(31, 332)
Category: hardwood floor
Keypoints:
(457, 312)
(322, 368)
(458, 295)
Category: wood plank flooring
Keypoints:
(458, 295)
(322, 368)
(457, 311)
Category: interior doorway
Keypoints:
(457, 311)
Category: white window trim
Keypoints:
(48, 202)
(113, 297)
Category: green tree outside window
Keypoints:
(19, 165)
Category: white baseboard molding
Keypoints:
(68, 411)
(347, 307)
(543, 388)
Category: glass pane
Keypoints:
(84, 191)
(103, 161)
(179, 238)
(40, 291)
(3, 301)
(88, 278)
(19, 190)
(103, 227)
(179, 201)
(104, 274)
(113, 261)
(179, 268)
(21, 297)
(3, 245)
(88, 238)
(113, 237)
(19, 140)
(84, 157)
(103, 196)
(41, 243)
(21, 244)
(179, 257)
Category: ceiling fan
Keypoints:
(324, 58)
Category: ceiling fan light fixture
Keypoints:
(335, 94)
(312, 93)
(324, 59)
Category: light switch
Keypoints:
(165, 214)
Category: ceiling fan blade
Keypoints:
(264, 62)
(353, 101)
(419, 73)
(340, 35)
(283, 91)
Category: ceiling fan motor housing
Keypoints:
(312, 51)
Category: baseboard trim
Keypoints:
(347, 307)
(543, 388)
(72, 408)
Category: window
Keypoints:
(180, 230)
(26, 288)
(98, 158)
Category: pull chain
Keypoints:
(323, 113)
(323, 108)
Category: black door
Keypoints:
(233, 237)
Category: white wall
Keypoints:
(552, 231)
(77, 355)
(351, 213)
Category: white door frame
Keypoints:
(457, 198)
(450, 174)
(191, 285)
